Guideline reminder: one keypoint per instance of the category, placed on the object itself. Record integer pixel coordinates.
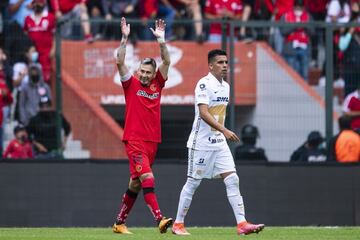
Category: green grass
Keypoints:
(211, 233)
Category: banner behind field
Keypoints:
(93, 67)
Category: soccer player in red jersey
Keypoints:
(142, 131)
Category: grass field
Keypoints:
(211, 233)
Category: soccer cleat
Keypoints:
(164, 224)
(248, 228)
(121, 228)
(179, 229)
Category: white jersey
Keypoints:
(215, 94)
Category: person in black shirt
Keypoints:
(310, 151)
(42, 130)
(248, 150)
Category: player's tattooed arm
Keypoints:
(121, 51)
(159, 33)
(165, 56)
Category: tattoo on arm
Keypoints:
(164, 54)
(121, 52)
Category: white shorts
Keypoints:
(210, 164)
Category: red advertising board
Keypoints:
(93, 67)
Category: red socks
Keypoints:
(128, 201)
(150, 197)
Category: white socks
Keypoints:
(234, 196)
(186, 195)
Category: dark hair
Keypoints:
(249, 134)
(315, 138)
(149, 61)
(215, 52)
(299, 3)
(345, 122)
(19, 128)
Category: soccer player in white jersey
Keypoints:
(209, 154)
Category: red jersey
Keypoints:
(283, 6)
(142, 113)
(17, 150)
(41, 33)
(214, 7)
(299, 34)
(352, 103)
(65, 6)
(148, 8)
(4, 99)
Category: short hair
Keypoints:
(345, 122)
(215, 52)
(299, 3)
(149, 61)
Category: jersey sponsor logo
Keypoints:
(215, 140)
(221, 99)
(142, 93)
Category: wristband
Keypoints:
(161, 39)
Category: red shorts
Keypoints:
(141, 156)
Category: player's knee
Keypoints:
(135, 185)
(232, 180)
(191, 185)
(148, 185)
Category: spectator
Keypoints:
(345, 147)
(96, 14)
(310, 151)
(40, 27)
(190, 9)
(248, 150)
(351, 108)
(68, 10)
(221, 10)
(338, 11)
(277, 9)
(349, 44)
(31, 94)
(317, 10)
(117, 9)
(42, 129)
(149, 10)
(249, 6)
(19, 9)
(5, 70)
(3, 7)
(20, 147)
(20, 77)
(16, 42)
(5, 95)
(297, 40)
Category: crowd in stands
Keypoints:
(27, 45)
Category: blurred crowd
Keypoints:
(27, 46)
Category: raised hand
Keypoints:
(159, 31)
(125, 28)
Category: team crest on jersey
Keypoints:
(45, 23)
(202, 87)
(153, 87)
(138, 168)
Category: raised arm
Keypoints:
(159, 33)
(121, 51)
